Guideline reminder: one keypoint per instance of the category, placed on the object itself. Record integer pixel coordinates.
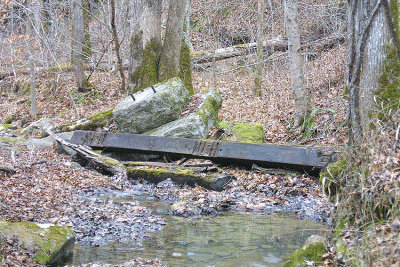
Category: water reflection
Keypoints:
(231, 239)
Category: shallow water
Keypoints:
(231, 239)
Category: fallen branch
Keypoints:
(102, 164)
(7, 169)
(278, 44)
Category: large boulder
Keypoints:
(55, 243)
(151, 107)
(196, 124)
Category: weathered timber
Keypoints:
(300, 158)
(182, 176)
(102, 164)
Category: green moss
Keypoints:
(11, 118)
(388, 94)
(245, 133)
(1, 258)
(95, 122)
(147, 73)
(251, 133)
(210, 107)
(329, 179)
(51, 241)
(111, 161)
(185, 67)
(313, 253)
(5, 126)
(13, 140)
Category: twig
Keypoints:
(37, 163)
(7, 169)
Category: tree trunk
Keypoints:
(301, 94)
(257, 90)
(145, 43)
(368, 39)
(117, 45)
(186, 26)
(77, 47)
(87, 46)
(31, 52)
(169, 61)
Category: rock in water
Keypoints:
(55, 243)
(197, 124)
(152, 107)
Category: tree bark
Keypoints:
(77, 47)
(257, 90)
(145, 43)
(31, 52)
(117, 45)
(300, 92)
(368, 36)
(170, 55)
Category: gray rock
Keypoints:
(40, 143)
(49, 142)
(55, 243)
(37, 126)
(67, 137)
(197, 124)
(150, 110)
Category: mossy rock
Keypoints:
(151, 108)
(197, 124)
(313, 250)
(182, 176)
(243, 133)
(94, 123)
(55, 243)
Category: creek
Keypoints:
(229, 239)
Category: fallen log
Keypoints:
(198, 57)
(304, 159)
(152, 164)
(102, 164)
(277, 44)
(182, 176)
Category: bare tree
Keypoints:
(77, 47)
(372, 28)
(145, 43)
(117, 45)
(31, 52)
(300, 92)
(169, 61)
(257, 90)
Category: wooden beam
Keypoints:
(300, 158)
